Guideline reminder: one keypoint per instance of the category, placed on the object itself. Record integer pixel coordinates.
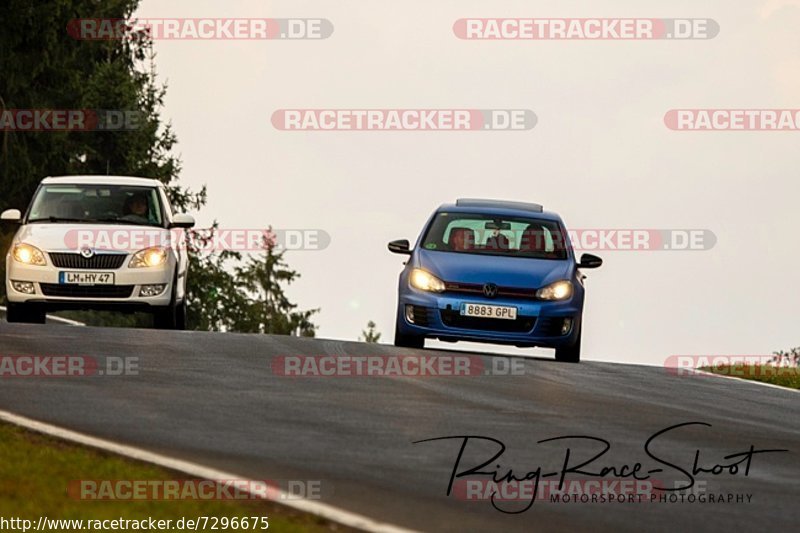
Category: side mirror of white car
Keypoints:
(11, 215)
(182, 220)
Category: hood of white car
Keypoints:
(99, 237)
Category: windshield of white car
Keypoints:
(475, 233)
(92, 204)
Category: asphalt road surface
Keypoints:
(215, 399)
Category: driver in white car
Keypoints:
(137, 209)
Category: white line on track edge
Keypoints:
(323, 510)
(55, 319)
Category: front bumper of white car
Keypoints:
(133, 287)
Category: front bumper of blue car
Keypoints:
(539, 323)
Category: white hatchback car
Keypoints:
(98, 242)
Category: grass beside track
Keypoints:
(783, 376)
(36, 471)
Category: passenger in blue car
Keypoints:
(462, 239)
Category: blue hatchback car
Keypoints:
(493, 271)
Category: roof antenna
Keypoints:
(108, 166)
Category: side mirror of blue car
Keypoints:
(401, 246)
(590, 261)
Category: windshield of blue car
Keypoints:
(108, 204)
(496, 235)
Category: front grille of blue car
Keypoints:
(453, 319)
(502, 291)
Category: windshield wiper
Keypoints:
(56, 219)
(123, 221)
(105, 219)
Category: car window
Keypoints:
(495, 235)
(167, 204)
(97, 203)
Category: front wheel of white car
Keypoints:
(25, 313)
(173, 316)
(180, 316)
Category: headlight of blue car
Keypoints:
(425, 281)
(559, 290)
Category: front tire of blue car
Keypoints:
(408, 341)
(570, 354)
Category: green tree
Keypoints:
(215, 300)
(43, 67)
(370, 335)
(787, 358)
(269, 309)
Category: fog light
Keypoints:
(151, 290)
(410, 314)
(566, 326)
(25, 287)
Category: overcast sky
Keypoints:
(600, 155)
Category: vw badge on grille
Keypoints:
(490, 290)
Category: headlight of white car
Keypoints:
(29, 255)
(425, 281)
(149, 257)
(559, 290)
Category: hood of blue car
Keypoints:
(504, 271)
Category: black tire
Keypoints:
(25, 313)
(165, 317)
(408, 341)
(180, 316)
(570, 354)
(172, 316)
(14, 313)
